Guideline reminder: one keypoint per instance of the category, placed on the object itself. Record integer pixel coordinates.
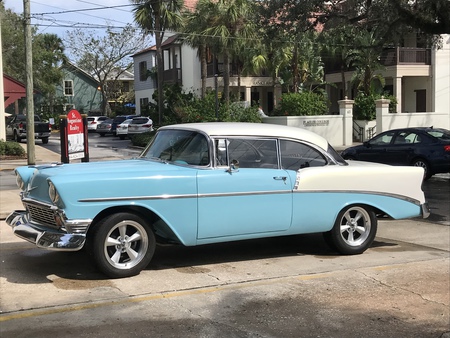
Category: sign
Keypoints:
(74, 141)
(75, 135)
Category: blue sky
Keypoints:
(60, 16)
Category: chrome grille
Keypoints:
(41, 215)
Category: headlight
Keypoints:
(19, 181)
(53, 193)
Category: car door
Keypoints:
(401, 151)
(375, 150)
(252, 199)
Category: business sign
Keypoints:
(74, 143)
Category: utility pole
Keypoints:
(29, 83)
(2, 93)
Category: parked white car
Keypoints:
(94, 121)
(122, 129)
(140, 125)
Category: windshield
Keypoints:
(180, 147)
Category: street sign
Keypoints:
(74, 140)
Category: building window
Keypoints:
(143, 71)
(68, 88)
(125, 86)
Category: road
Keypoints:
(281, 287)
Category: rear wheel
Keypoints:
(122, 137)
(354, 230)
(45, 140)
(122, 245)
(420, 162)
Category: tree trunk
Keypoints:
(226, 77)
(204, 69)
(160, 67)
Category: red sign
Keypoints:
(75, 134)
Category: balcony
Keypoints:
(393, 57)
(172, 76)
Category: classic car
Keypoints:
(205, 183)
(426, 147)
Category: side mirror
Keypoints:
(234, 166)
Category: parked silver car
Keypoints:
(140, 125)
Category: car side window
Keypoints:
(296, 155)
(406, 138)
(250, 153)
(382, 139)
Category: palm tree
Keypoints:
(156, 17)
(230, 23)
(365, 57)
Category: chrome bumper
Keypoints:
(43, 237)
(425, 210)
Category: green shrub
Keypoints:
(301, 104)
(365, 106)
(141, 140)
(11, 149)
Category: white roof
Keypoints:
(253, 129)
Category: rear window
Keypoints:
(440, 134)
(140, 120)
(119, 119)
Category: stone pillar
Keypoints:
(276, 95)
(382, 108)
(398, 93)
(248, 94)
(346, 111)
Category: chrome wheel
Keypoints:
(354, 230)
(126, 244)
(355, 226)
(122, 245)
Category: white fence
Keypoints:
(339, 131)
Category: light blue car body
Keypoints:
(201, 204)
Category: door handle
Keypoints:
(280, 178)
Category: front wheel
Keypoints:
(122, 245)
(354, 230)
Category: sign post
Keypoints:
(74, 137)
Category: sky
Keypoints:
(60, 16)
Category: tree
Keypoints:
(430, 16)
(48, 53)
(230, 26)
(105, 57)
(156, 17)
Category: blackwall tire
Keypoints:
(354, 230)
(122, 245)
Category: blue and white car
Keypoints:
(207, 183)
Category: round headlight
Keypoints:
(20, 183)
(54, 196)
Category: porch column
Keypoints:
(276, 95)
(398, 93)
(382, 108)
(248, 94)
(346, 111)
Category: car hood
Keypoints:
(102, 179)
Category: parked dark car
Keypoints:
(424, 147)
(105, 127)
(16, 128)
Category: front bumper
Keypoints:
(43, 237)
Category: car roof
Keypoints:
(253, 129)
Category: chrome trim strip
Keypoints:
(159, 197)
(365, 192)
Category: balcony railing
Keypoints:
(172, 76)
(393, 57)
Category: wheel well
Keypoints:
(161, 229)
